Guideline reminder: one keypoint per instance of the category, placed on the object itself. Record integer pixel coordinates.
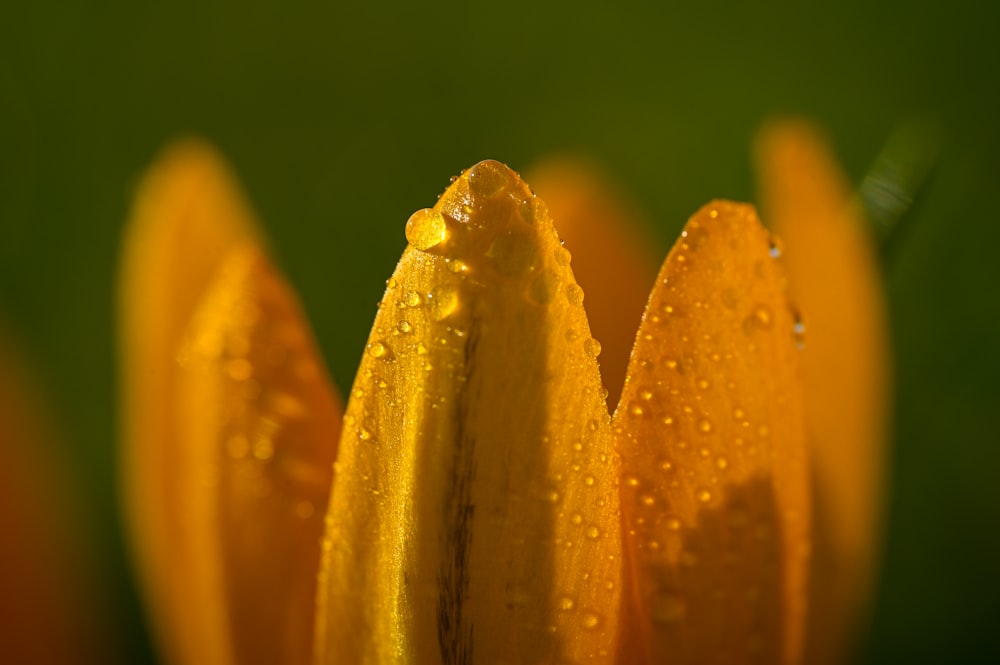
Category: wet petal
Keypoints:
(257, 431)
(611, 257)
(474, 516)
(834, 276)
(188, 214)
(714, 495)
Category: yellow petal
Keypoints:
(611, 257)
(187, 215)
(834, 277)
(45, 610)
(474, 516)
(257, 429)
(714, 495)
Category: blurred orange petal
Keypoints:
(45, 610)
(612, 258)
(834, 276)
(257, 425)
(216, 580)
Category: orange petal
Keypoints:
(257, 426)
(611, 257)
(46, 614)
(834, 277)
(715, 493)
(474, 517)
(187, 215)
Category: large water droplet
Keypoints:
(444, 301)
(489, 178)
(426, 229)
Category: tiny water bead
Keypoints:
(378, 350)
(426, 229)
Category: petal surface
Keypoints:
(611, 257)
(258, 425)
(715, 497)
(474, 517)
(208, 576)
(834, 277)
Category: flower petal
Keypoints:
(186, 216)
(835, 278)
(257, 430)
(47, 610)
(714, 496)
(611, 258)
(474, 515)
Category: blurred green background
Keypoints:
(343, 117)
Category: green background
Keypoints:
(342, 118)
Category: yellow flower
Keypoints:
(483, 504)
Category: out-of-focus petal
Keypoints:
(834, 277)
(45, 614)
(715, 487)
(187, 216)
(257, 426)
(611, 257)
(474, 516)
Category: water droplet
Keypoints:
(364, 434)
(489, 178)
(774, 246)
(668, 608)
(413, 299)
(646, 394)
(513, 253)
(458, 266)
(592, 347)
(631, 481)
(576, 518)
(552, 496)
(305, 509)
(590, 620)
(426, 229)
(592, 425)
(589, 480)
(443, 301)
(404, 326)
(703, 384)
(704, 495)
(574, 294)
(636, 410)
(263, 449)
(705, 426)
(390, 283)
(722, 463)
(647, 499)
(592, 532)
(544, 288)
(673, 524)
(378, 350)
(738, 414)
(566, 604)
(563, 256)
